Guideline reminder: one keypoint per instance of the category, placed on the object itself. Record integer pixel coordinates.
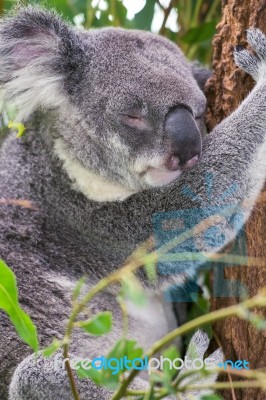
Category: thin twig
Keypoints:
(228, 371)
(167, 12)
(223, 385)
(71, 378)
(18, 202)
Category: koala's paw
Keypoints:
(195, 354)
(39, 378)
(253, 64)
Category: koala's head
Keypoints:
(127, 105)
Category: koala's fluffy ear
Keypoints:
(39, 54)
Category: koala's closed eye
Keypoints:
(134, 120)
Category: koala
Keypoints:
(114, 124)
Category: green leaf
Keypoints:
(150, 268)
(171, 353)
(24, 327)
(98, 325)
(132, 290)
(95, 375)
(143, 18)
(150, 393)
(121, 13)
(9, 112)
(50, 350)
(258, 322)
(8, 282)
(199, 307)
(9, 303)
(211, 397)
(200, 33)
(17, 126)
(123, 348)
(163, 380)
(78, 288)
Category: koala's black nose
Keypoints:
(183, 139)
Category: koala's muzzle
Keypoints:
(182, 139)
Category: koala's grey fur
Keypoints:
(83, 168)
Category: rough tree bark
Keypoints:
(225, 90)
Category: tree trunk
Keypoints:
(225, 90)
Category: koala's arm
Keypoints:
(224, 187)
(233, 153)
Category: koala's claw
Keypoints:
(257, 41)
(246, 61)
(196, 349)
(239, 48)
(252, 63)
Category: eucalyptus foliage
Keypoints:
(195, 19)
